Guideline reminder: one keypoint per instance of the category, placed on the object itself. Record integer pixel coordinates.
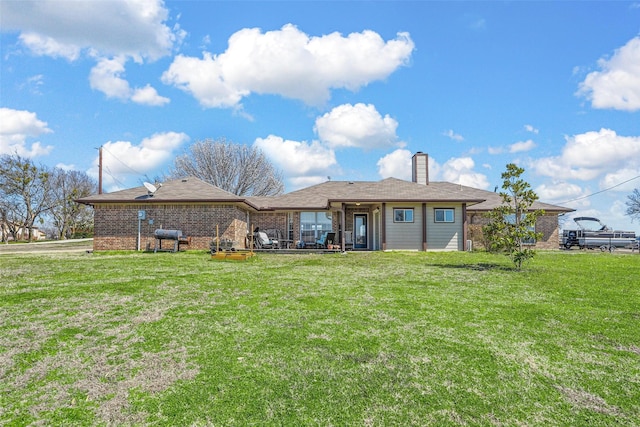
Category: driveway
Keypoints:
(53, 246)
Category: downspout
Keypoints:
(424, 227)
(465, 226)
(343, 240)
(383, 226)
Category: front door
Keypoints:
(360, 231)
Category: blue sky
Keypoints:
(347, 90)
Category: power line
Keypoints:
(601, 191)
(113, 177)
(125, 165)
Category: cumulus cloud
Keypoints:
(621, 179)
(617, 84)
(289, 63)
(48, 46)
(530, 128)
(591, 155)
(106, 78)
(117, 29)
(122, 158)
(522, 146)
(452, 135)
(559, 192)
(134, 28)
(357, 125)
(396, 164)
(148, 96)
(301, 161)
(459, 170)
(16, 126)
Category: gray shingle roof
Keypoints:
(189, 189)
(318, 196)
(388, 190)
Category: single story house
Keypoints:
(391, 214)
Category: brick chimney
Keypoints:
(420, 168)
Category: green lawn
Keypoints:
(370, 339)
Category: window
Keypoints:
(511, 219)
(313, 224)
(444, 215)
(402, 215)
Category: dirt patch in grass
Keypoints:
(77, 353)
(585, 400)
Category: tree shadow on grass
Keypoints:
(482, 266)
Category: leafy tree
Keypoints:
(512, 224)
(24, 193)
(69, 217)
(238, 169)
(633, 204)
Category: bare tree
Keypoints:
(68, 216)
(238, 169)
(24, 193)
(633, 204)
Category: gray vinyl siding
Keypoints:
(444, 236)
(403, 235)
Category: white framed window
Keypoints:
(402, 214)
(444, 215)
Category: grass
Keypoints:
(363, 339)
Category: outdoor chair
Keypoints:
(262, 241)
(324, 240)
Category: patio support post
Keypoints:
(343, 240)
(424, 227)
(383, 226)
(465, 226)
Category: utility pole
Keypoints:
(100, 170)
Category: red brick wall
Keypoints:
(546, 224)
(116, 226)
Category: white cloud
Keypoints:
(301, 161)
(521, 146)
(289, 63)
(18, 125)
(357, 125)
(621, 179)
(48, 46)
(134, 28)
(459, 170)
(454, 136)
(148, 96)
(106, 78)
(122, 158)
(66, 167)
(590, 155)
(530, 128)
(617, 84)
(396, 164)
(559, 192)
(495, 150)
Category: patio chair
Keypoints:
(326, 237)
(262, 241)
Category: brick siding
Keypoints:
(116, 225)
(546, 224)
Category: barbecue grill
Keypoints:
(175, 236)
